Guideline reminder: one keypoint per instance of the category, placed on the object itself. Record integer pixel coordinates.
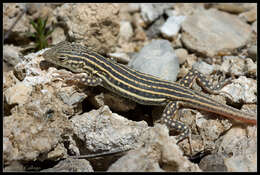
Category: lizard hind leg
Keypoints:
(195, 75)
(167, 118)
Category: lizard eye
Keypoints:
(62, 58)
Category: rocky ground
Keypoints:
(48, 124)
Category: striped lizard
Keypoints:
(143, 88)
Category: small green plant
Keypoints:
(41, 33)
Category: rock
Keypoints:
(204, 30)
(98, 22)
(154, 29)
(151, 11)
(210, 128)
(120, 57)
(213, 162)
(233, 64)
(203, 67)
(251, 68)
(234, 7)
(28, 137)
(239, 149)
(158, 59)
(11, 11)
(249, 16)
(20, 72)
(172, 26)
(69, 97)
(133, 7)
(126, 30)
(58, 153)
(182, 55)
(254, 27)
(33, 7)
(14, 166)
(138, 21)
(158, 153)
(71, 165)
(252, 52)
(242, 90)
(101, 130)
(9, 80)
(34, 128)
(58, 35)
(12, 55)
(17, 94)
(170, 12)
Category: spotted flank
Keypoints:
(143, 88)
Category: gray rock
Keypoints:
(71, 165)
(203, 67)
(172, 26)
(212, 32)
(158, 59)
(151, 11)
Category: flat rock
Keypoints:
(157, 58)
(205, 30)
